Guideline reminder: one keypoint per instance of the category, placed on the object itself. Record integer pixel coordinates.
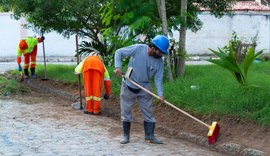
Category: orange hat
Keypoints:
(23, 45)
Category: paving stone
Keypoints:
(47, 129)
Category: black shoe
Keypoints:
(126, 129)
(86, 112)
(149, 128)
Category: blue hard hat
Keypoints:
(162, 43)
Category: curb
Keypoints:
(228, 148)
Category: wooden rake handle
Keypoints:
(166, 102)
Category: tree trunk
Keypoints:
(162, 13)
(180, 66)
(182, 40)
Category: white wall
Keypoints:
(55, 44)
(217, 32)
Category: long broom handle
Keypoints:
(168, 103)
(44, 59)
(79, 76)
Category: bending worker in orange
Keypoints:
(94, 72)
(28, 47)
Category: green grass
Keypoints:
(64, 73)
(217, 92)
(8, 86)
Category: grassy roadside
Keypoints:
(8, 86)
(217, 93)
(205, 90)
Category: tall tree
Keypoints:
(142, 17)
(162, 13)
(180, 64)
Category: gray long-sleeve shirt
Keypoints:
(144, 66)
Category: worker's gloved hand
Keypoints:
(19, 67)
(106, 96)
(42, 38)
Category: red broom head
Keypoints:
(213, 133)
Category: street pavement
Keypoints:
(49, 129)
(45, 128)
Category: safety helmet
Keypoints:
(93, 54)
(162, 43)
(23, 45)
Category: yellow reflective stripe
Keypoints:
(88, 98)
(25, 65)
(96, 98)
(33, 62)
(93, 97)
(78, 69)
(106, 74)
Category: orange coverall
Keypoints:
(29, 52)
(94, 72)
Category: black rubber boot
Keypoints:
(26, 73)
(126, 128)
(149, 128)
(33, 75)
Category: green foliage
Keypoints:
(229, 61)
(125, 20)
(86, 47)
(142, 17)
(8, 86)
(233, 43)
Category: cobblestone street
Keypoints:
(47, 128)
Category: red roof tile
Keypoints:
(246, 6)
(249, 6)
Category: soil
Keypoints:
(233, 130)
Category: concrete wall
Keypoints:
(217, 32)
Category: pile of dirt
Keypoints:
(233, 130)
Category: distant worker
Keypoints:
(28, 47)
(94, 73)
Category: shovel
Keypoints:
(213, 129)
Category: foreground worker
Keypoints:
(94, 72)
(147, 62)
(28, 47)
